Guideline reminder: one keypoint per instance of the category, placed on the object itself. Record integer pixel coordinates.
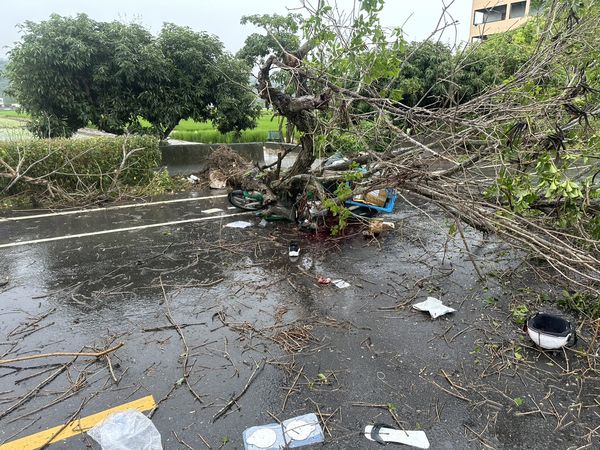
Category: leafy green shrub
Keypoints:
(73, 164)
(581, 303)
(363, 136)
(519, 313)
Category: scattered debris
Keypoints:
(376, 198)
(434, 307)
(193, 179)
(217, 180)
(374, 201)
(550, 331)
(294, 250)
(263, 223)
(376, 226)
(257, 369)
(341, 284)
(337, 161)
(306, 263)
(127, 429)
(291, 433)
(295, 338)
(212, 210)
(233, 168)
(262, 438)
(238, 224)
(60, 354)
(383, 434)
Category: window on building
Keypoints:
(476, 39)
(489, 15)
(517, 10)
(535, 8)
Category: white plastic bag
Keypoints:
(434, 307)
(127, 430)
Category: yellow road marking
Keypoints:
(75, 427)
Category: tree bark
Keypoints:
(305, 158)
(299, 110)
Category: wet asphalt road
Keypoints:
(353, 356)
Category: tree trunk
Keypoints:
(299, 111)
(289, 132)
(305, 158)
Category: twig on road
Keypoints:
(186, 350)
(36, 389)
(232, 402)
(291, 389)
(69, 422)
(57, 354)
(181, 441)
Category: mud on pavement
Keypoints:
(225, 332)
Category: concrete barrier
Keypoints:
(184, 158)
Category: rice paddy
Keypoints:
(188, 130)
(12, 126)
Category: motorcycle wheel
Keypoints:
(239, 200)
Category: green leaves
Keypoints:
(518, 401)
(554, 181)
(281, 33)
(67, 72)
(519, 314)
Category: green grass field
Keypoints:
(8, 123)
(12, 126)
(189, 130)
(11, 113)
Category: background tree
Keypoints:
(69, 71)
(4, 83)
(281, 35)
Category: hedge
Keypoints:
(89, 163)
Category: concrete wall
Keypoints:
(184, 158)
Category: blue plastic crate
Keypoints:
(387, 208)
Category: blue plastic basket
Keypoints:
(387, 208)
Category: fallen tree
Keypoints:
(520, 159)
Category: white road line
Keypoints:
(119, 230)
(108, 208)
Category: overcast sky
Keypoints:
(221, 17)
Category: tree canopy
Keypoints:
(4, 83)
(69, 71)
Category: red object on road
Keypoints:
(323, 280)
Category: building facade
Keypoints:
(496, 16)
